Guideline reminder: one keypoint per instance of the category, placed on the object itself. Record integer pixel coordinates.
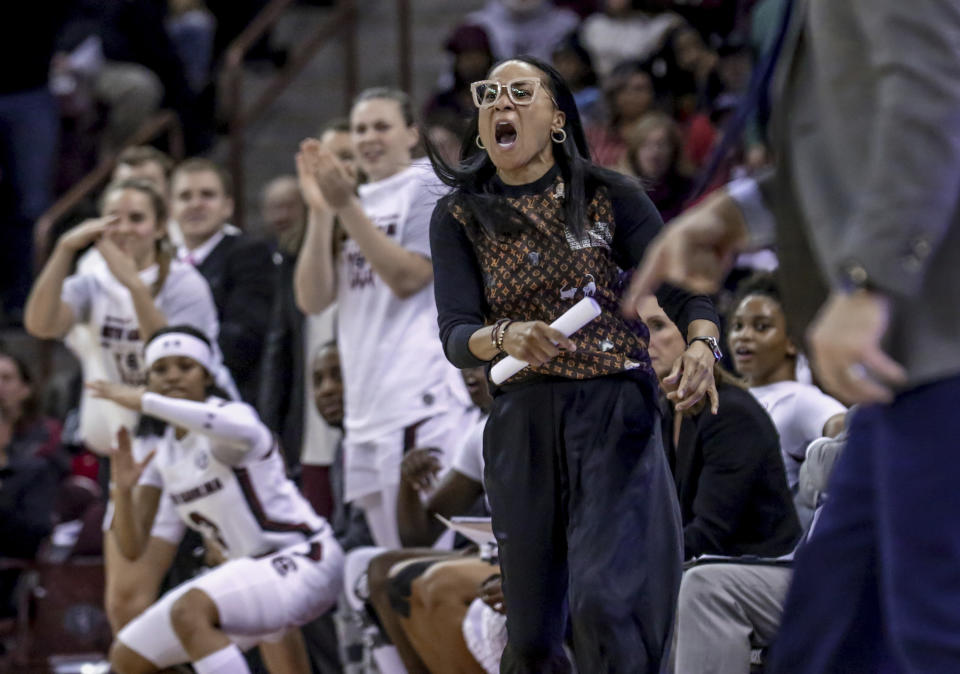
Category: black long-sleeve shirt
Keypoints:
(540, 272)
(731, 481)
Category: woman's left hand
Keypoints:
(694, 372)
(119, 263)
(130, 397)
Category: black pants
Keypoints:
(586, 515)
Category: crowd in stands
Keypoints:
(320, 328)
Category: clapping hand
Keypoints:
(420, 467)
(325, 174)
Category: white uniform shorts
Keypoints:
(258, 599)
(372, 468)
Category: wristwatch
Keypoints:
(710, 342)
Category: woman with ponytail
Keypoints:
(120, 304)
(584, 507)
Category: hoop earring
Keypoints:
(479, 143)
(558, 136)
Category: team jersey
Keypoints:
(394, 370)
(226, 478)
(106, 336)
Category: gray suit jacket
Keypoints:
(866, 131)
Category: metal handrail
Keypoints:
(342, 23)
(165, 121)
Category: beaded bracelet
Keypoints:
(503, 333)
(494, 339)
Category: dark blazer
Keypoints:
(731, 481)
(866, 96)
(280, 397)
(240, 273)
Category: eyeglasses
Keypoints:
(521, 91)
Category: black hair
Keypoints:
(761, 283)
(471, 179)
(330, 343)
(30, 409)
(399, 97)
(572, 44)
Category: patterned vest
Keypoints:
(540, 272)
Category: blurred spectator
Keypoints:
(630, 94)
(472, 58)
(31, 467)
(284, 214)
(573, 62)
(533, 27)
(237, 267)
(141, 68)
(691, 72)
(285, 397)
(654, 147)
(730, 479)
(625, 31)
(192, 27)
(29, 130)
(145, 162)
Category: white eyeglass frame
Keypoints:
(508, 87)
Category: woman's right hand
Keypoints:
(535, 342)
(125, 471)
(84, 234)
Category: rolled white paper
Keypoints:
(572, 320)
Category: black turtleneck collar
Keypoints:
(536, 187)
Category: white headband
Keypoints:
(179, 344)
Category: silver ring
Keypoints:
(857, 371)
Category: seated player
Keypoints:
(220, 473)
(420, 595)
(766, 357)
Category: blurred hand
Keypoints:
(845, 348)
(333, 179)
(420, 467)
(125, 472)
(491, 594)
(84, 234)
(213, 553)
(535, 342)
(692, 377)
(119, 263)
(694, 251)
(306, 175)
(130, 397)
